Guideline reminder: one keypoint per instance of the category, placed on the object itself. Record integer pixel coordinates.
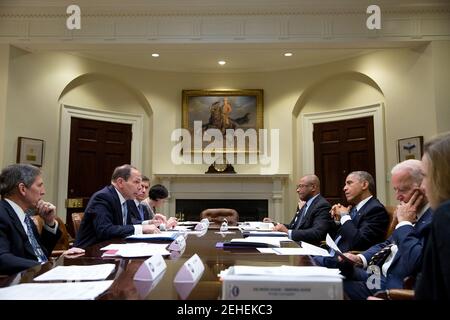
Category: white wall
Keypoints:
(4, 71)
(405, 77)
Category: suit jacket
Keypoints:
(134, 214)
(366, 229)
(408, 259)
(316, 223)
(103, 219)
(16, 252)
(434, 280)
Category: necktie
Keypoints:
(380, 257)
(353, 213)
(36, 247)
(141, 211)
(301, 217)
(124, 213)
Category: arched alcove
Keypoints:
(104, 98)
(338, 97)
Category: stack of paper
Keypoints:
(281, 283)
(256, 225)
(306, 249)
(255, 242)
(163, 236)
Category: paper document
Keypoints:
(266, 250)
(55, 291)
(256, 225)
(163, 236)
(133, 250)
(264, 234)
(75, 273)
(332, 244)
(256, 242)
(301, 252)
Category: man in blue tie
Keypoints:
(312, 220)
(363, 223)
(403, 249)
(139, 211)
(21, 246)
(106, 216)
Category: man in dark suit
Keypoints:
(21, 246)
(400, 255)
(312, 221)
(106, 216)
(139, 211)
(363, 223)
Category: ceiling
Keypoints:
(205, 57)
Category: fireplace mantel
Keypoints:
(225, 186)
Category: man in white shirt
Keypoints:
(400, 255)
(21, 246)
(106, 216)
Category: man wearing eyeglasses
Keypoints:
(312, 220)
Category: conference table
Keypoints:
(209, 287)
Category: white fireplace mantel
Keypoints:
(226, 186)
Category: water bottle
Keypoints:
(224, 226)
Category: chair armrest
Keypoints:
(395, 294)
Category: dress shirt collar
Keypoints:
(121, 198)
(362, 203)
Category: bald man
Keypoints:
(312, 221)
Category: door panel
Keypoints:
(341, 147)
(96, 148)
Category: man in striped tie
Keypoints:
(400, 255)
(21, 246)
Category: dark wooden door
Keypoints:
(96, 148)
(341, 147)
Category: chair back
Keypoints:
(76, 220)
(63, 242)
(392, 220)
(217, 215)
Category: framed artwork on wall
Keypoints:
(30, 151)
(410, 148)
(222, 110)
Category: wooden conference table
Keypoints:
(209, 287)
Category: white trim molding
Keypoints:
(376, 111)
(67, 112)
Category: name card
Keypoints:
(151, 268)
(188, 276)
(178, 244)
(145, 287)
(202, 225)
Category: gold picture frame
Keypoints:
(222, 109)
(30, 151)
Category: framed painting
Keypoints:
(214, 111)
(30, 151)
(410, 148)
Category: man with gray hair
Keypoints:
(21, 246)
(400, 255)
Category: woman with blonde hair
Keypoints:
(434, 280)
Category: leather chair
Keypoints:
(64, 241)
(392, 220)
(217, 216)
(76, 220)
(407, 293)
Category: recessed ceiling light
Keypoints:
(288, 54)
(221, 62)
(155, 55)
